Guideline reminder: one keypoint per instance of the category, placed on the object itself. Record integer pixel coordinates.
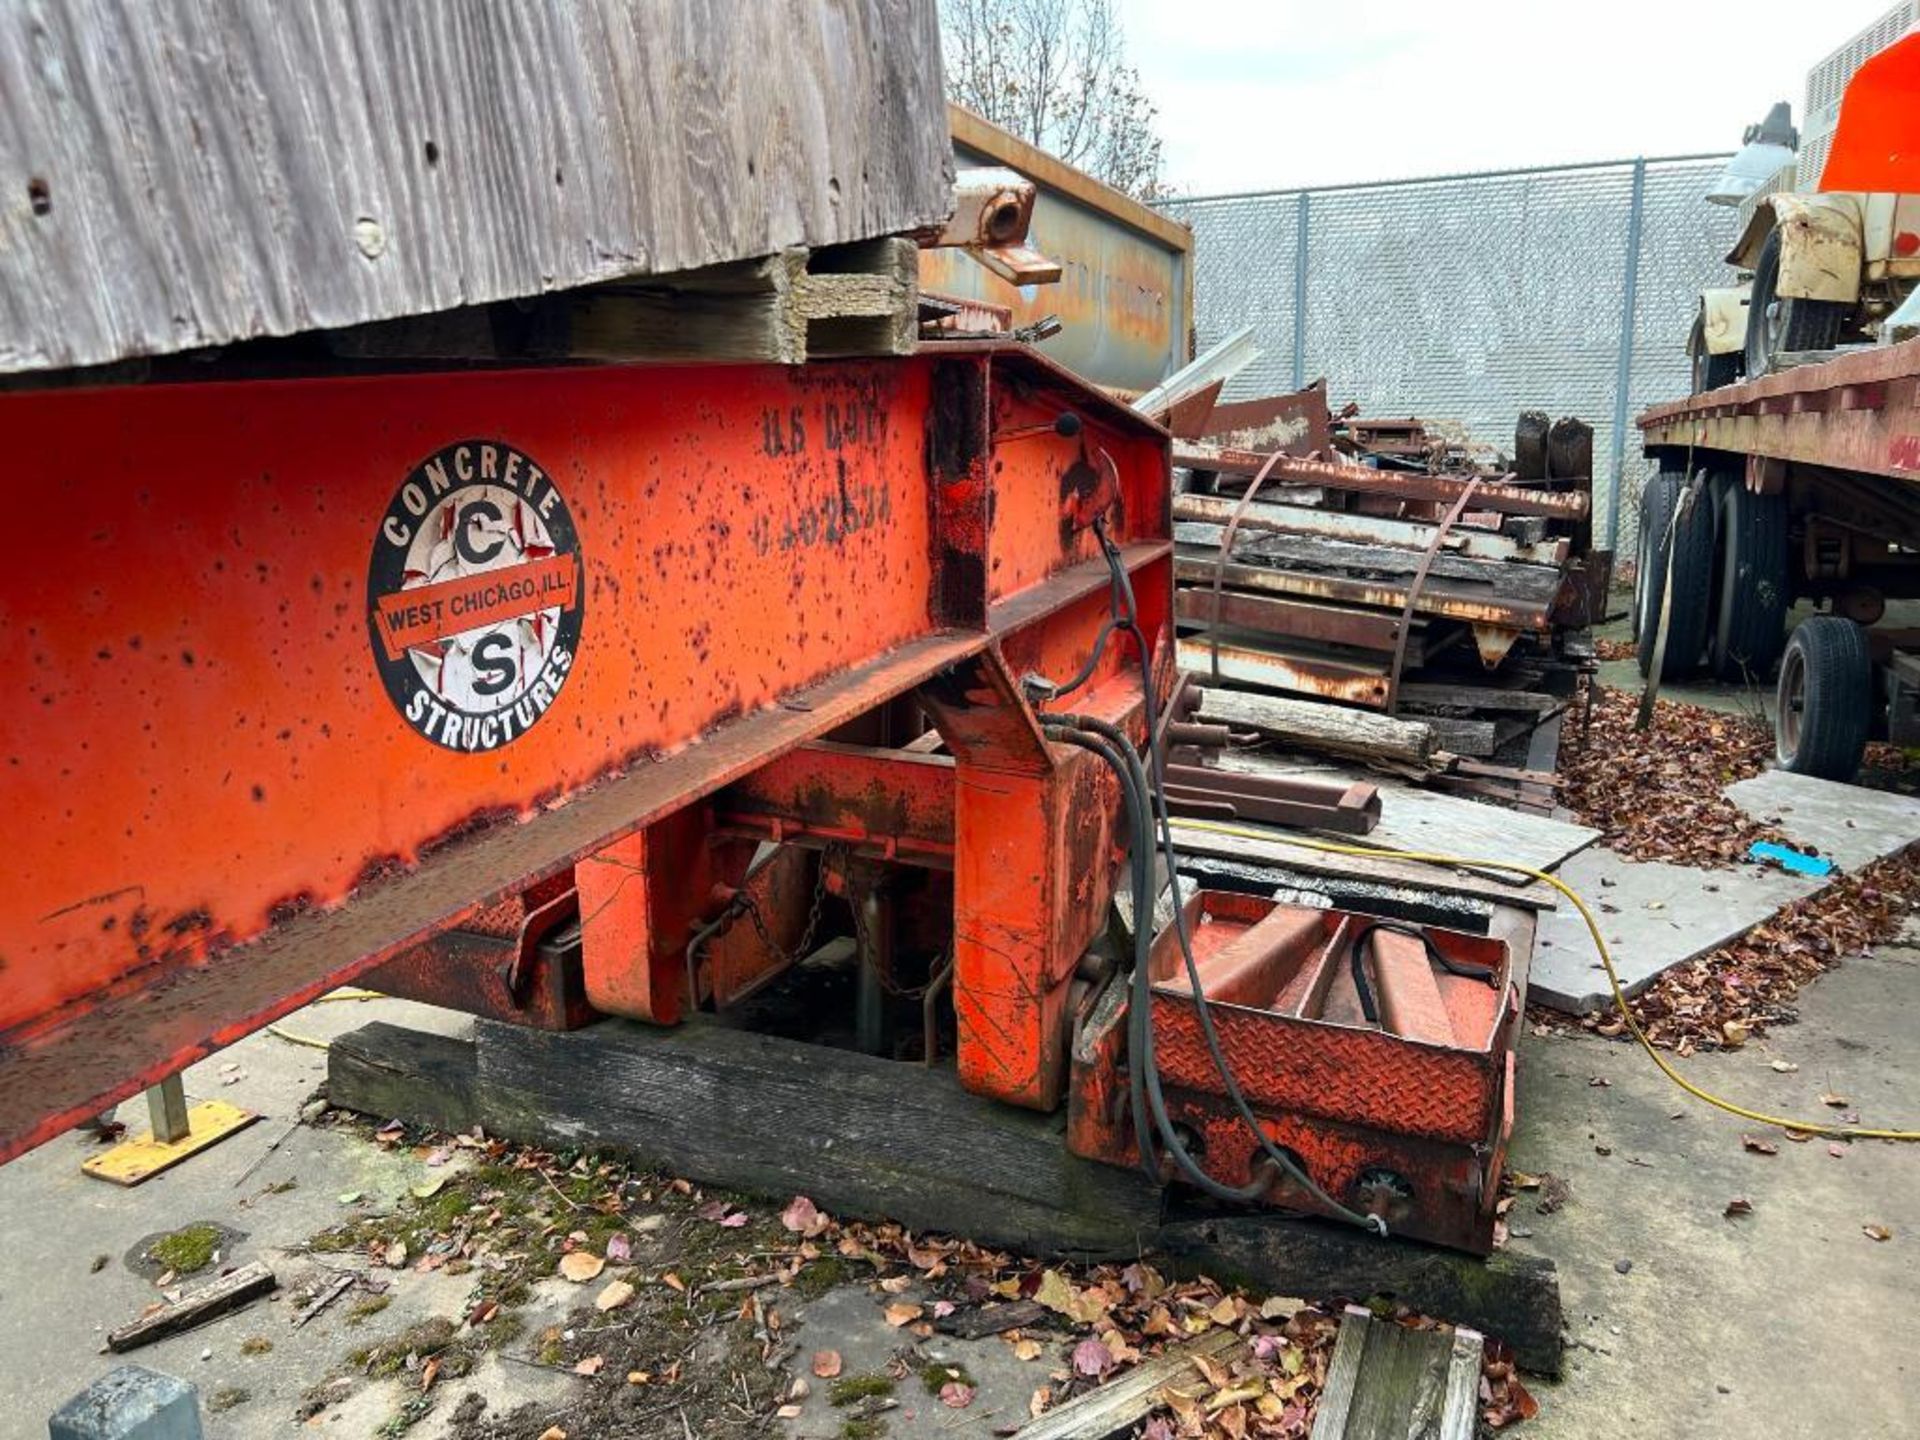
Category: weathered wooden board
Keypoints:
(1311, 725)
(1420, 820)
(185, 173)
(196, 1307)
(1389, 1382)
(1510, 1297)
(390, 1071)
(861, 1136)
(1113, 1408)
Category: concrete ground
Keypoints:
(71, 1274)
(1786, 1322)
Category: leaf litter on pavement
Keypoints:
(1656, 795)
(678, 1308)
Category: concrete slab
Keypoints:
(1788, 1322)
(1653, 916)
(1851, 826)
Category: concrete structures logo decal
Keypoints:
(474, 596)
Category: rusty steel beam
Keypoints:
(1300, 619)
(1204, 792)
(405, 649)
(1350, 682)
(1404, 485)
(885, 804)
(1449, 599)
(1286, 519)
(1854, 412)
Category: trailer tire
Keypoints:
(1691, 545)
(1750, 561)
(1656, 500)
(1825, 689)
(1710, 371)
(1777, 324)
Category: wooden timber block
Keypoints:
(1387, 1382)
(798, 305)
(862, 1137)
(1510, 1297)
(389, 1072)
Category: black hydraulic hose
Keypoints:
(1129, 622)
(1143, 1072)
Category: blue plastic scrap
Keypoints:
(1794, 862)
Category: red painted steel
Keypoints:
(254, 772)
(1379, 1120)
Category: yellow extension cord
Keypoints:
(1759, 1117)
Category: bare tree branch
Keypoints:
(1055, 73)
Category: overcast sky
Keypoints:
(1270, 94)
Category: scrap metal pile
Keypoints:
(1391, 566)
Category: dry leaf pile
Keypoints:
(1605, 649)
(1728, 995)
(1655, 793)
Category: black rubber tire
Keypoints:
(1710, 371)
(1777, 324)
(1692, 562)
(1750, 566)
(1656, 503)
(1825, 694)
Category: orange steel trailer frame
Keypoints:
(422, 671)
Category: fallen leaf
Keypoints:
(1036, 1403)
(803, 1217)
(1283, 1307)
(735, 1220)
(896, 1284)
(350, 1197)
(429, 1372)
(942, 1309)
(1090, 1357)
(1739, 1205)
(1836, 1149)
(553, 1432)
(1798, 1137)
(1733, 1034)
(1877, 1232)
(590, 1366)
(956, 1396)
(673, 1282)
(618, 1293)
(826, 1363)
(1838, 1102)
(619, 1249)
(639, 1377)
(1759, 1145)
(901, 1312)
(1027, 1349)
(580, 1266)
(799, 1389)
(788, 1412)
(1057, 1293)
(1784, 1067)
(396, 1254)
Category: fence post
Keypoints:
(1623, 377)
(1300, 293)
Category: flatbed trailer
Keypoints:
(1802, 484)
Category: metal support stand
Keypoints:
(167, 1110)
(177, 1132)
(875, 933)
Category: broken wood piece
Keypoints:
(979, 1321)
(1307, 725)
(331, 1292)
(1121, 1403)
(1390, 1382)
(209, 1302)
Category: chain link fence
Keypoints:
(1474, 297)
